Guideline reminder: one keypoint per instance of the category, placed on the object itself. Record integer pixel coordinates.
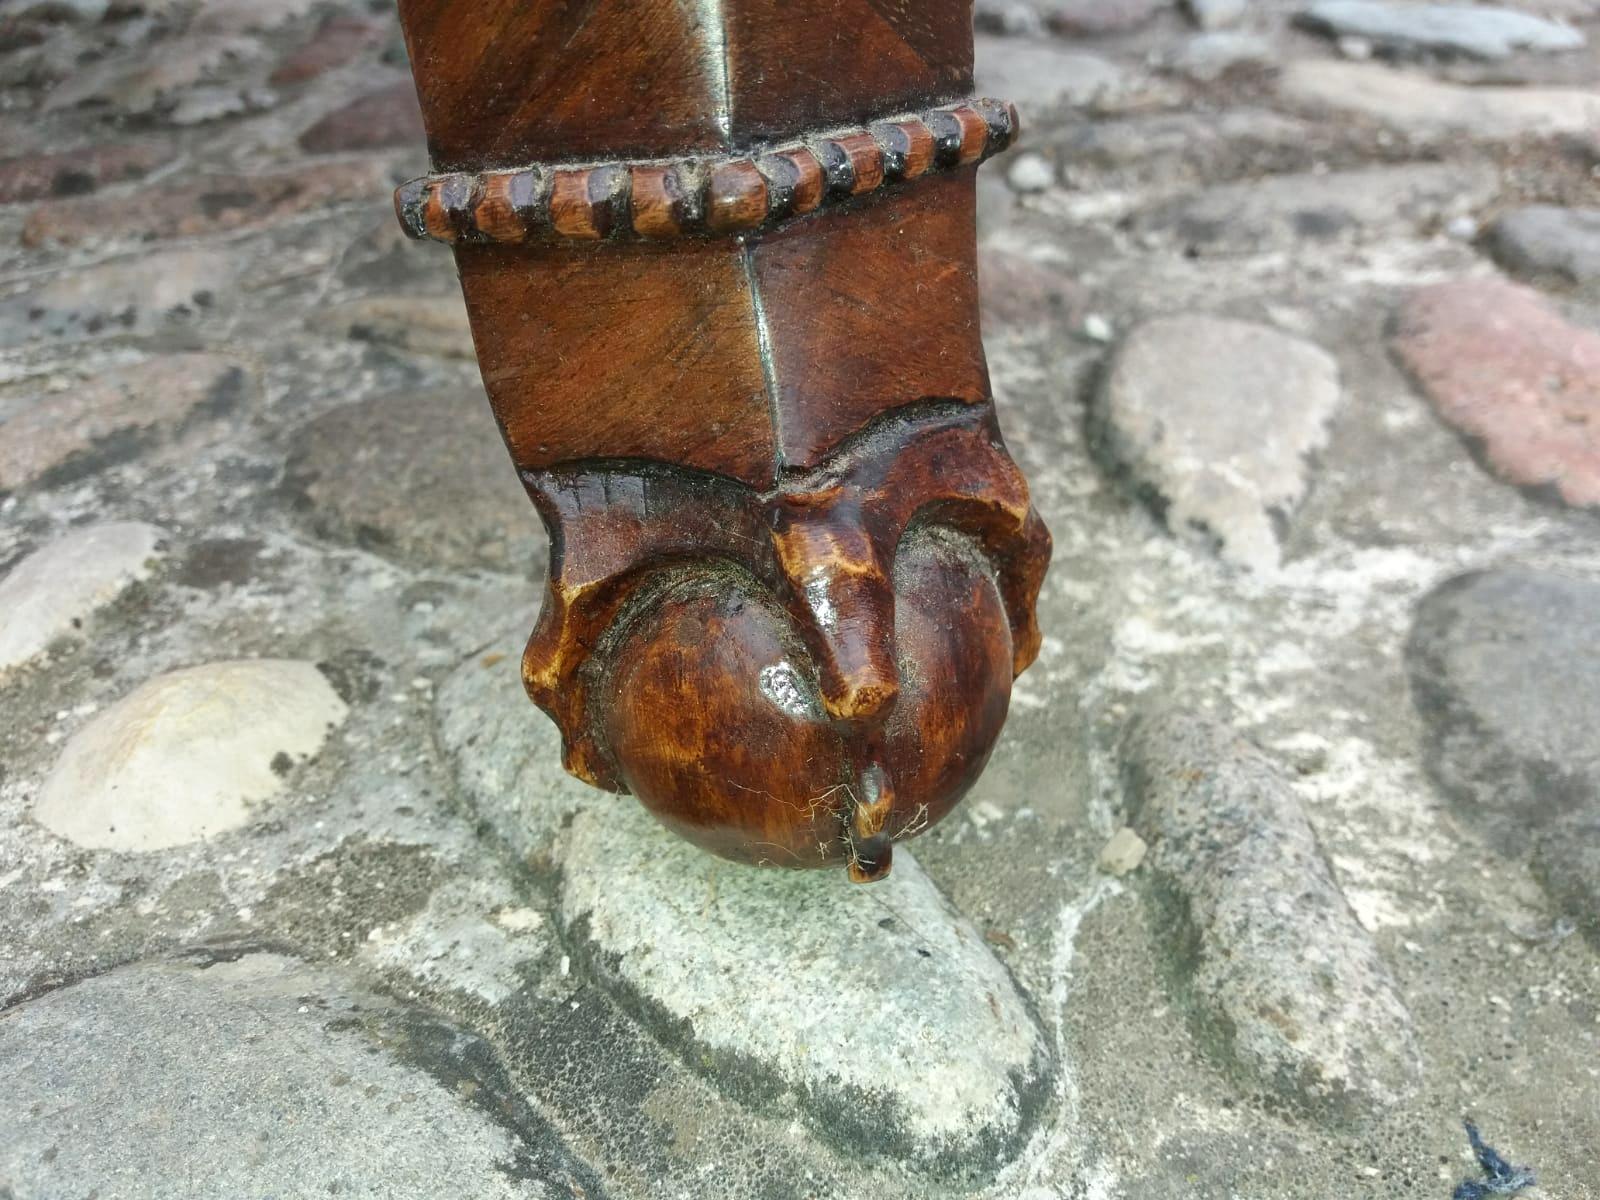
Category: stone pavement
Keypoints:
(1287, 861)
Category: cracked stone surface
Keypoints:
(241, 1042)
(1375, 780)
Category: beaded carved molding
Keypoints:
(705, 196)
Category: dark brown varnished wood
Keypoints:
(719, 262)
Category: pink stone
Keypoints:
(1504, 367)
(205, 205)
(341, 39)
(387, 117)
(72, 172)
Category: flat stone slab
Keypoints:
(1501, 365)
(49, 594)
(1505, 671)
(1269, 214)
(1216, 14)
(260, 1075)
(1285, 983)
(1043, 76)
(153, 293)
(188, 755)
(206, 206)
(1211, 421)
(84, 169)
(1428, 108)
(389, 116)
(1476, 31)
(419, 477)
(506, 754)
(875, 1013)
(58, 438)
(1543, 241)
(1210, 56)
(1094, 17)
(137, 84)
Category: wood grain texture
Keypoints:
(821, 63)
(634, 352)
(503, 84)
(869, 309)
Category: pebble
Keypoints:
(1031, 172)
(1156, 148)
(53, 591)
(1264, 214)
(1425, 107)
(253, 1074)
(1216, 14)
(1098, 328)
(1476, 31)
(1505, 672)
(188, 755)
(1287, 986)
(389, 116)
(1544, 242)
(57, 438)
(210, 205)
(1500, 364)
(877, 1012)
(201, 105)
(1212, 421)
(74, 172)
(421, 477)
(1123, 853)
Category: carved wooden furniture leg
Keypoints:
(719, 261)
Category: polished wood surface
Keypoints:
(719, 260)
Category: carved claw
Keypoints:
(800, 677)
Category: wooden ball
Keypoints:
(711, 711)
